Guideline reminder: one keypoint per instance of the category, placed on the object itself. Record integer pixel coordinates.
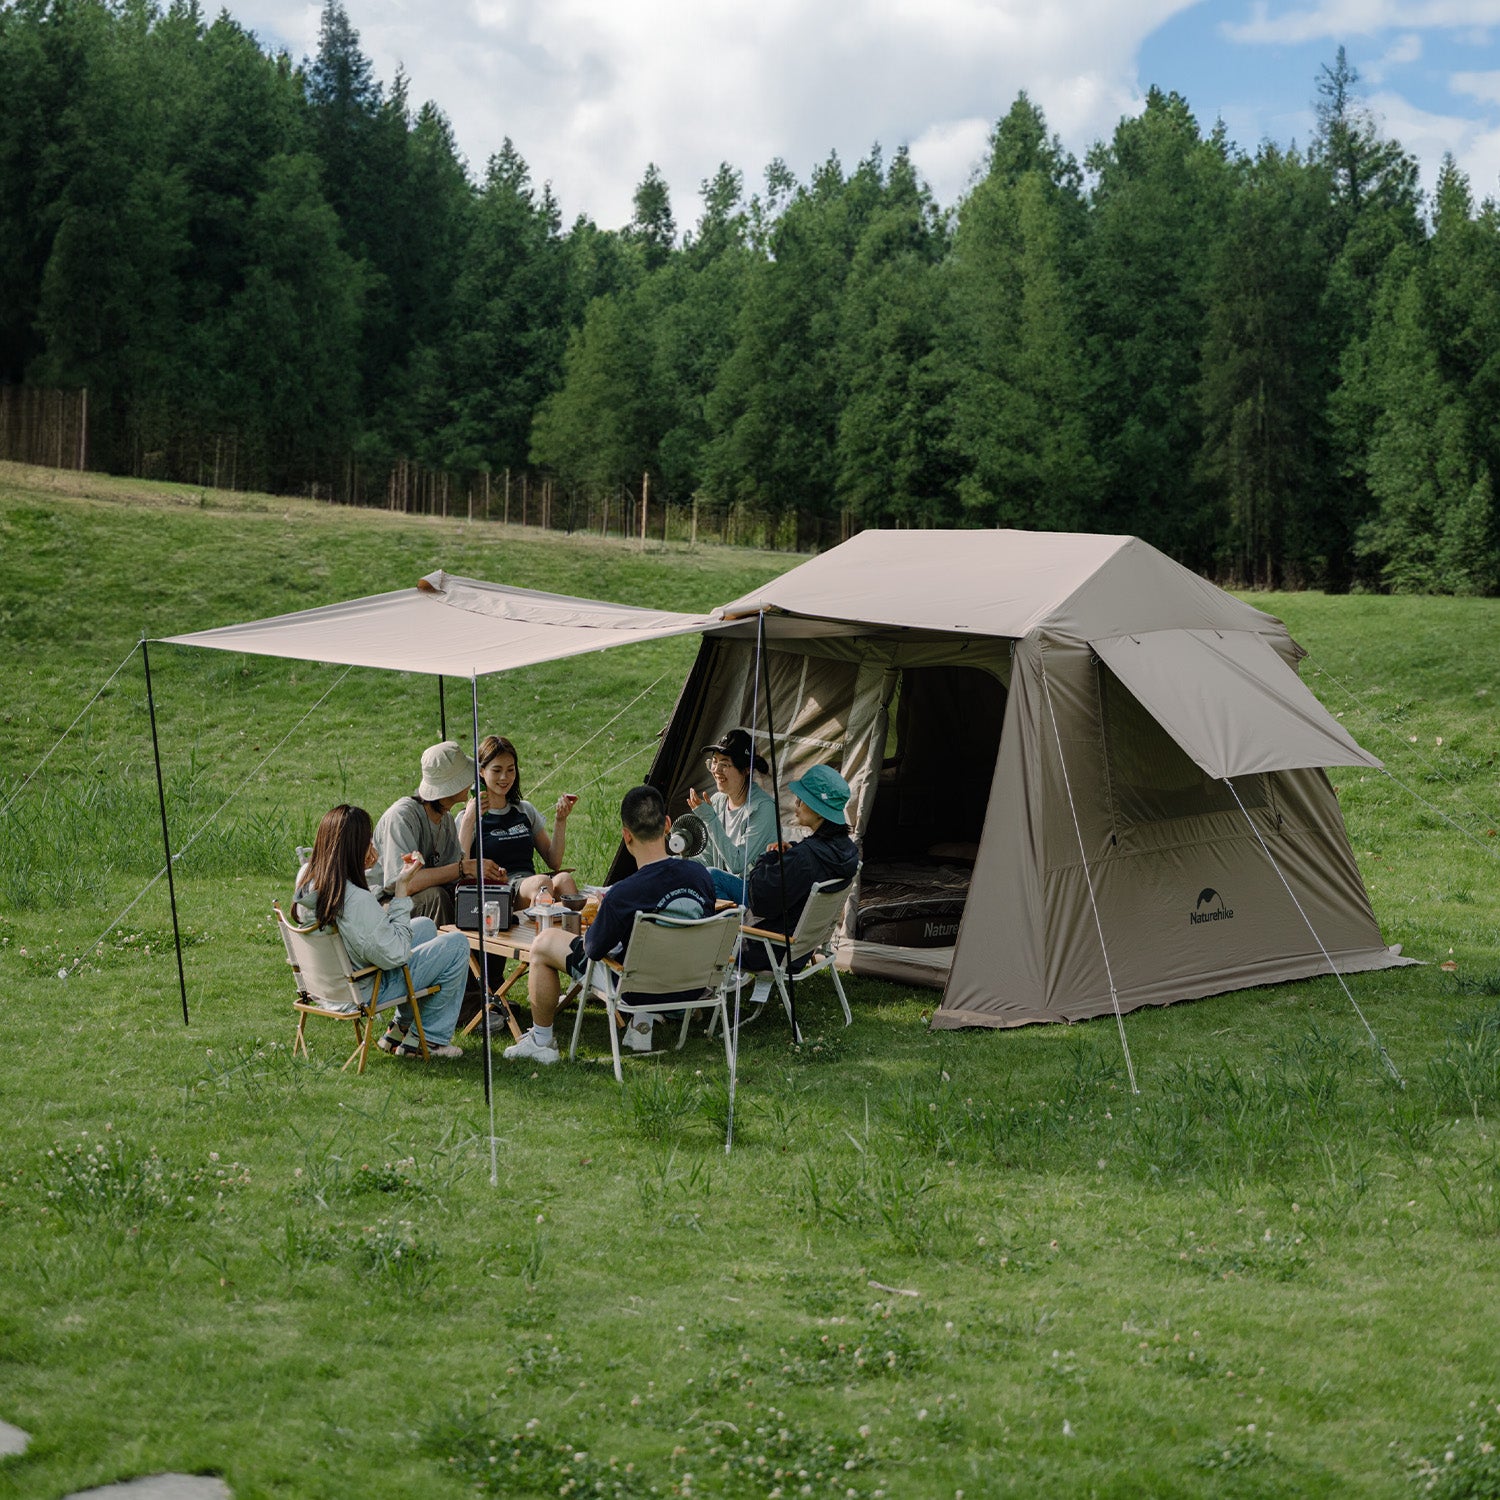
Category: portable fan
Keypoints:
(688, 837)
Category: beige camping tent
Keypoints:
(1082, 775)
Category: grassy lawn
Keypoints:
(934, 1263)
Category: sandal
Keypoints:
(392, 1039)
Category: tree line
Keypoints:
(1282, 367)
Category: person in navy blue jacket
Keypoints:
(660, 884)
(785, 874)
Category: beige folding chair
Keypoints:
(665, 955)
(812, 938)
(325, 980)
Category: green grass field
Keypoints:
(934, 1264)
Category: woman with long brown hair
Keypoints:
(332, 891)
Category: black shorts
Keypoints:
(577, 959)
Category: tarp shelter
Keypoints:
(449, 627)
(446, 626)
(1075, 764)
(1077, 768)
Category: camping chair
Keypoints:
(325, 980)
(813, 938)
(665, 955)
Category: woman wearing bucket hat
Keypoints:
(423, 824)
(784, 876)
(739, 816)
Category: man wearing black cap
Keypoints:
(739, 816)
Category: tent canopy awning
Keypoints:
(1230, 702)
(449, 627)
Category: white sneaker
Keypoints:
(528, 1049)
(638, 1034)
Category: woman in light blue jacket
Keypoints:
(332, 892)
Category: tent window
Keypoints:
(1151, 777)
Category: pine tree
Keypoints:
(1375, 208)
(652, 226)
(774, 410)
(1263, 390)
(510, 316)
(1431, 531)
(1157, 207)
(894, 460)
(1014, 340)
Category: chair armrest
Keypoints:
(365, 972)
(760, 932)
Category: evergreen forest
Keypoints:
(1282, 366)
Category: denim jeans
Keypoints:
(728, 887)
(436, 958)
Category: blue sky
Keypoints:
(593, 90)
(1435, 87)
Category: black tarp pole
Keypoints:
(791, 983)
(484, 957)
(166, 842)
(442, 712)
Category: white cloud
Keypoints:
(1337, 19)
(593, 90)
(1474, 144)
(950, 154)
(1482, 86)
(1402, 52)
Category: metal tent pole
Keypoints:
(764, 663)
(161, 801)
(442, 711)
(739, 974)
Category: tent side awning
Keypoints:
(1230, 702)
(449, 627)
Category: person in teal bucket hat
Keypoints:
(783, 877)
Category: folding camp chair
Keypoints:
(665, 955)
(325, 980)
(812, 939)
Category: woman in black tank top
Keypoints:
(511, 831)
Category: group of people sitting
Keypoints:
(390, 886)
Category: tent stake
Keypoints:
(484, 957)
(791, 980)
(166, 842)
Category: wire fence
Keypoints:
(40, 426)
(55, 428)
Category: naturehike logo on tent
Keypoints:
(1206, 897)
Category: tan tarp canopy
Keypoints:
(449, 627)
(1068, 709)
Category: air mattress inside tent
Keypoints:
(911, 905)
